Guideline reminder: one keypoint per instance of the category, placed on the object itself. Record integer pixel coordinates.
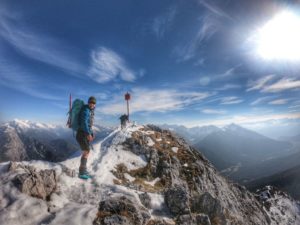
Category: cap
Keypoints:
(92, 99)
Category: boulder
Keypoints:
(120, 210)
(208, 205)
(145, 199)
(177, 200)
(115, 220)
(36, 184)
(193, 219)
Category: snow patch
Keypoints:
(152, 183)
(157, 201)
(175, 149)
(150, 142)
(128, 177)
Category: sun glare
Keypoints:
(280, 38)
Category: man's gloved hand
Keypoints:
(90, 138)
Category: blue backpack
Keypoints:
(73, 121)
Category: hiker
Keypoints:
(124, 120)
(85, 134)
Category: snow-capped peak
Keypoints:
(232, 127)
(26, 124)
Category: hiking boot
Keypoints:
(84, 176)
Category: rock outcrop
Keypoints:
(39, 184)
(120, 210)
(194, 192)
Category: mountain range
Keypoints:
(141, 175)
(24, 140)
(238, 152)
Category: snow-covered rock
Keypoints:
(137, 183)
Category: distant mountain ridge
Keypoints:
(26, 140)
(288, 181)
(191, 135)
(234, 150)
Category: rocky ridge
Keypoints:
(141, 175)
(193, 190)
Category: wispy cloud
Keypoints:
(200, 62)
(162, 23)
(107, 65)
(209, 24)
(229, 87)
(36, 46)
(231, 100)
(260, 83)
(294, 106)
(279, 102)
(204, 81)
(282, 85)
(261, 100)
(229, 72)
(245, 119)
(161, 100)
(207, 28)
(214, 9)
(264, 84)
(213, 111)
(19, 79)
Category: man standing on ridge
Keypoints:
(85, 134)
(124, 120)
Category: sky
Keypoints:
(191, 63)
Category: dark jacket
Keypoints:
(124, 118)
(85, 119)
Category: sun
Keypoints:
(280, 37)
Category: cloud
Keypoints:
(261, 100)
(244, 119)
(200, 62)
(264, 85)
(230, 72)
(18, 79)
(149, 100)
(107, 65)
(279, 102)
(214, 9)
(213, 111)
(204, 81)
(36, 46)
(102, 96)
(294, 106)
(228, 87)
(282, 85)
(208, 27)
(231, 100)
(163, 22)
(259, 84)
(210, 23)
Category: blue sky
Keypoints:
(184, 62)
